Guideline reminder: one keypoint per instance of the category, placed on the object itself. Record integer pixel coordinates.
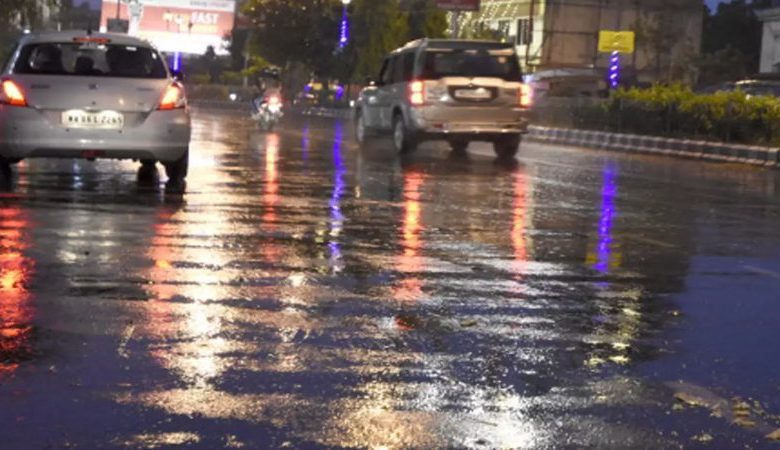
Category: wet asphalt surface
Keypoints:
(303, 293)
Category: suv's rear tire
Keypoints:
(459, 146)
(403, 141)
(5, 167)
(506, 147)
(362, 133)
(177, 170)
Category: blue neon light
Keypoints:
(614, 70)
(344, 35)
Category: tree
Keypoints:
(13, 15)
(305, 33)
(731, 41)
(727, 64)
(425, 19)
(77, 17)
(378, 27)
(295, 31)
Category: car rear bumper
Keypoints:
(478, 126)
(30, 133)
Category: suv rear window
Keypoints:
(104, 60)
(471, 63)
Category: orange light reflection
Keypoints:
(271, 194)
(519, 218)
(410, 288)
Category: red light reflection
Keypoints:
(15, 308)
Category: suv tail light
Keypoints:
(417, 93)
(173, 98)
(12, 94)
(525, 96)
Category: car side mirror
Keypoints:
(177, 75)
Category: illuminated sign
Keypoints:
(616, 41)
(186, 26)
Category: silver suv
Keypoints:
(459, 91)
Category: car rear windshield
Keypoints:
(89, 59)
(472, 63)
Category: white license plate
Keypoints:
(103, 120)
(473, 94)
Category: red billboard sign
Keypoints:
(458, 5)
(188, 26)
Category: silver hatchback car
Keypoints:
(459, 91)
(85, 95)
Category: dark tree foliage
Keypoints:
(295, 31)
(306, 32)
(733, 29)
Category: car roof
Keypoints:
(456, 44)
(68, 36)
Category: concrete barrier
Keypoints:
(684, 148)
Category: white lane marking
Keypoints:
(126, 336)
(761, 271)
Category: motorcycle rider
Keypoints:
(266, 106)
(268, 84)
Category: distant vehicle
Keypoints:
(267, 110)
(761, 84)
(459, 91)
(567, 83)
(84, 95)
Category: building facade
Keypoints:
(563, 34)
(770, 42)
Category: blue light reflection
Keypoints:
(608, 211)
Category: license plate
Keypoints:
(473, 94)
(103, 120)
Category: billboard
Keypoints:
(186, 26)
(458, 5)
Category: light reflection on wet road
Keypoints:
(304, 294)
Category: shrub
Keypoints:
(677, 111)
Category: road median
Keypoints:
(681, 148)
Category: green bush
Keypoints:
(677, 111)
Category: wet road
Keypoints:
(304, 294)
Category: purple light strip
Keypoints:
(608, 211)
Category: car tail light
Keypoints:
(417, 93)
(12, 94)
(525, 96)
(173, 98)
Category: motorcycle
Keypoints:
(267, 112)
